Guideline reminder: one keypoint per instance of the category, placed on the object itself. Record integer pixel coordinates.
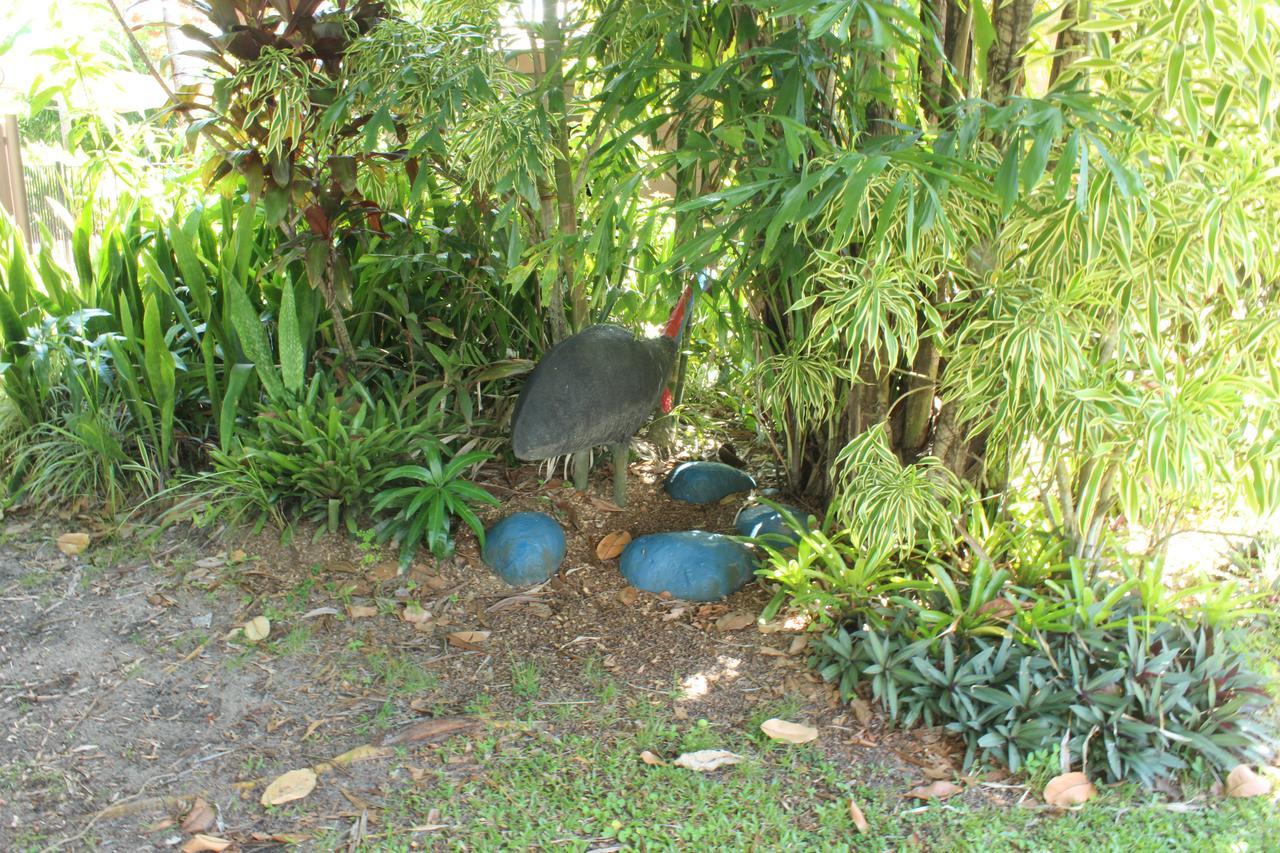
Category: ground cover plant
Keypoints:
(985, 286)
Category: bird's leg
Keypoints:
(581, 465)
(621, 453)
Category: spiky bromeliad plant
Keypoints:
(1135, 703)
(426, 497)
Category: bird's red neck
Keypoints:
(672, 329)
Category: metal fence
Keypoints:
(46, 197)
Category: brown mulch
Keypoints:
(126, 689)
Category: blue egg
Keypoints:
(525, 548)
(706, 482)
(691, 564)
(761, 521)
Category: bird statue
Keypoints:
(596, 387)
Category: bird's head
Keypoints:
(676, 320)
(671, 332)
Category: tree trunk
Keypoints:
(557, 102)
(1071, 41)
(1005, 61)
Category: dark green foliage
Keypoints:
(425, 497)
(1137, 703)
(322, 458)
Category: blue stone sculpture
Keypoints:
(706, 482)
(525, 548)
(762, 521)
(690, 564)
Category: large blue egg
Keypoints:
(706, 482)
(766, 522)
(691, 564)
(525, 548)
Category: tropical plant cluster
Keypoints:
(990, 281)
(1135, 701)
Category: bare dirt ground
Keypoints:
(127, 688)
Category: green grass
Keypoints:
(588, 789)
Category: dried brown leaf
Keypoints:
(257, 629)
(414, 613)
(361, 611)
(939, 790)
(859, 820)
(199, 818)
(705, 760)
(200, 842)
(735, 621)
(364, 752)
(72, 544)
(613, 544)
(290, 786)
(788, 732)
(649, 758)
(472, 640)
(1243, 782)
(999, 608)
(432, 730)
(1069, 789)
(798, 645)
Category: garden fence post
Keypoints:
(13, 188)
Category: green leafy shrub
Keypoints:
(323, 458)
(425, 498)
(1140, 704)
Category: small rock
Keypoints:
(525, 548)
(693, 565)
(706, 482)
(762, 521)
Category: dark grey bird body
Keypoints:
(596, 387)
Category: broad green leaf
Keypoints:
(161, 374)
(292, 352)
(253, 338)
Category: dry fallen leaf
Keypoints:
(705, 760)
(432, 731)
(199, 818)
(649, 758)
(859, 820)
(199, 842)
(413, 613)
(735, 621)
(364, 752)
(472, 640)
(1243, 782)
(604, 505)
(940, 790)
(788, 732)
(798, 645)
(291, 786)
(257, 629)
(1069, 789)
(361, 611)
(73, 543)
(999, 608)
(611, 546)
